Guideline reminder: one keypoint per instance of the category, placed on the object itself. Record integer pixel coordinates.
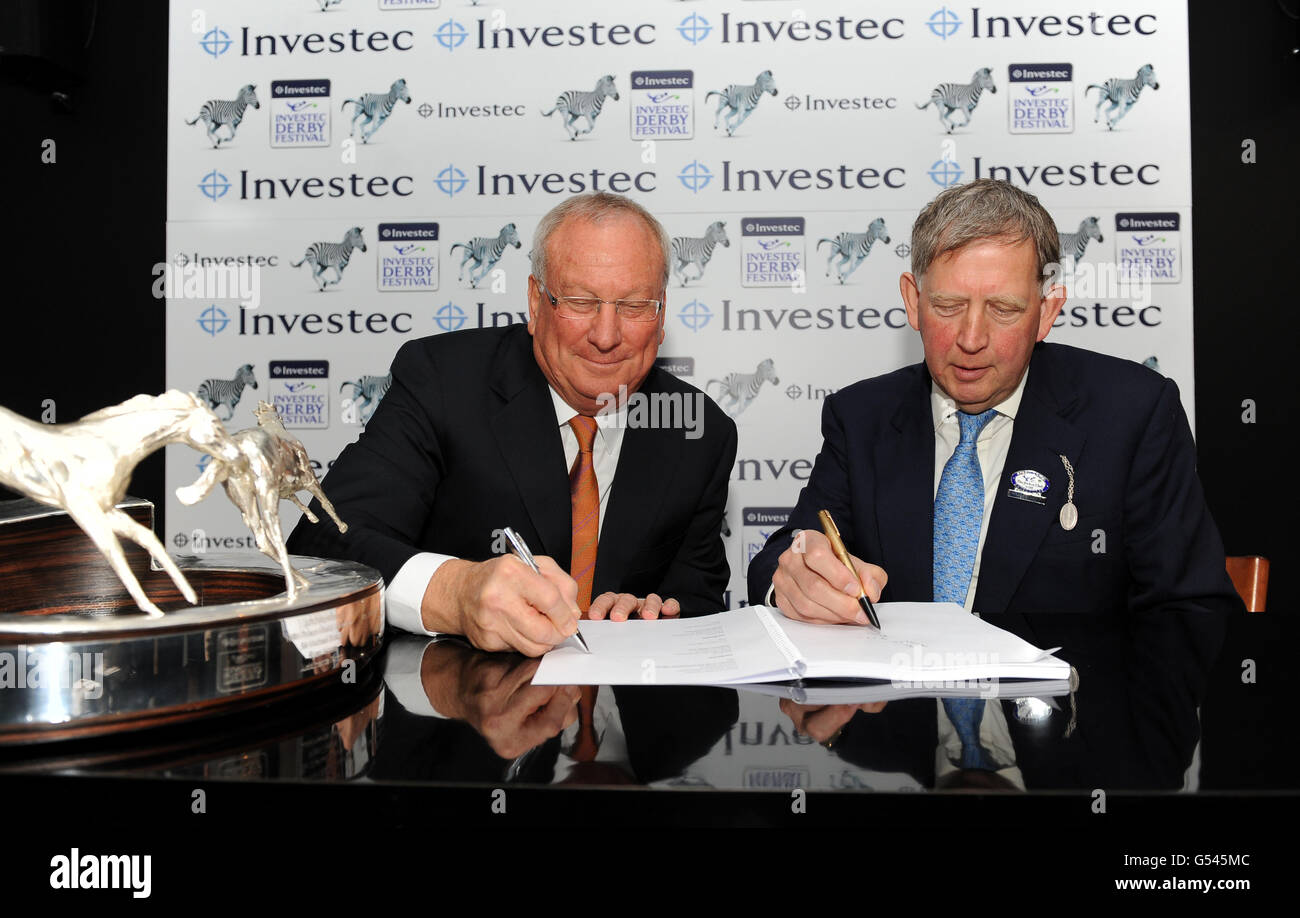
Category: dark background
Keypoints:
(88, 229)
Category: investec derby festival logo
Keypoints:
(735, 391)
(366, 394)
(408, 256)
(219, 113)
(694, 28)
(300, 392)
(215, 42)
(375, 107)
(300, 113)
(575, 104)
(950, 98)
(1149, 246)
(740, 99)
(331, 256)
(851, 249)
(772, 252)
(1040, 99)
(944, 23)
(1120, 94)
(695, 251)
(484, 252)
(663, 104)
(226, 393)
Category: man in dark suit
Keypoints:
(1085, 463)
(564, 430)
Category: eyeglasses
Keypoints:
(586, 307)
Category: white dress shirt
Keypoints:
(406, 593)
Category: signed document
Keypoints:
(917, 642)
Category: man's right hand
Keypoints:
(502, 605)
(812, 585)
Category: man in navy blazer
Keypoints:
(1106, 436)
(473, 437)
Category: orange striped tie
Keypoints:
(584, 495)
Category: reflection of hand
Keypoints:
(823, 722)
(493, 695)
(812, 585)
(351, 727)
(620, 606)
(502, 605)
(358, 621)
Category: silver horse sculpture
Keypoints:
(84, 467)
(264, 465)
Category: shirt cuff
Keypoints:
(405, 594)
(769, 599)
(402, 675)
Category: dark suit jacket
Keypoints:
(1145, 553)
(465, 443)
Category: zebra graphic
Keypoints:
(376, 106)
(852, 248)
(948, 98)
(227, 391)
(1121, 94)
(1073, 244)
(697, 250)
(334, 255)
(739, 389)
(368, 391)
(578, 104)
(216, 112)
(1151, 363)
(485, 252)
(741, 100)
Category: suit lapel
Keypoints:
(647, 468)
(1039, 437)
(904, 463)
(529, 439)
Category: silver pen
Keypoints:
(521, 551)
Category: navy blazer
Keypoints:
(1145, 552)
(465, 443)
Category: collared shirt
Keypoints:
(405, 594)
(992, 447)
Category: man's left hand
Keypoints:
(619, 607)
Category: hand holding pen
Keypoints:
(813, 583)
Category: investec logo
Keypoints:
(352, 41)
(1056, 175)
(352, 322)
(799, 28)
(353, 185)
(977, 22)
(696, 176)
(495, 35)
(451, 181)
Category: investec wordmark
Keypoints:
(353, 322)
(554, 36)
(510, 183)
(735, 178)
(335, 186)
(320, 43)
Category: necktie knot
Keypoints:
(584, 428)
(972, 424)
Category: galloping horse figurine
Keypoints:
(84, 467)
(266, 464)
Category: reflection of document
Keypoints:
(916, 642)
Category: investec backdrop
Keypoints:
(373, 220)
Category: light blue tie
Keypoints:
(958, 514)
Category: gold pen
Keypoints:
(837, 546)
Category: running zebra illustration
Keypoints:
(697, 250)
(741, 100)
(853, 248)
(578, 104)
(739, 389)
(376, 106)
(216, 112)
(485, 252)
(948, 98)
(367, 392)
(227, 391)
(334, 255)
(1121, 94)
(1073, 244)
(1151, 363)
